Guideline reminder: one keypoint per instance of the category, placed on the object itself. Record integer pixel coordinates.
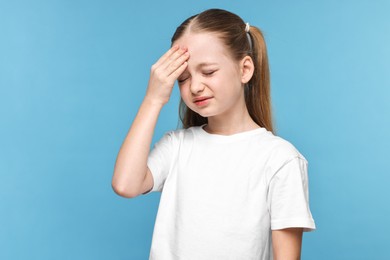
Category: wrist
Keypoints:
(150, 102)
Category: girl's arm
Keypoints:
(287, 243)
(131, 174)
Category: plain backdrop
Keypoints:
(73, 73)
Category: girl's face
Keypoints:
(212, 84)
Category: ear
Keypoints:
(247, 69)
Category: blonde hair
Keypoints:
(231, 29)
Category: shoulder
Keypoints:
(182, 134)
(280, 152)
(283, 148)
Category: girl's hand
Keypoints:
(164, 73)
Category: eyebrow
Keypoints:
(204, 64)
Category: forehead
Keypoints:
(203, 47)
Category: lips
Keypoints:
(201, 101)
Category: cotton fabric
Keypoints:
(223, 195)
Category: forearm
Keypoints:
(131, 164)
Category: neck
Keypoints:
(231, 123)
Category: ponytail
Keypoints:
(258, 91)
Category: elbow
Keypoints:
(124, 191)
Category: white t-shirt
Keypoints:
(222, 195)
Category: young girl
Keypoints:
(231, 189)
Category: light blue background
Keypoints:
(73, 73)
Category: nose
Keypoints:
(197, 86)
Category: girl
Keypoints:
(231, 189)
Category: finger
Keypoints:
(174, 75)
(173, 57)
(173, 66)
(167, 55)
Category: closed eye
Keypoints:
(181, 80)
(209, 73)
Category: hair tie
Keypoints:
(248, 35)
(247, 27)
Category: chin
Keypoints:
(204, 114)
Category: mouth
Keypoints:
(201, 101)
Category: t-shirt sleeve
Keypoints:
(159, 161)
(288, 197)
